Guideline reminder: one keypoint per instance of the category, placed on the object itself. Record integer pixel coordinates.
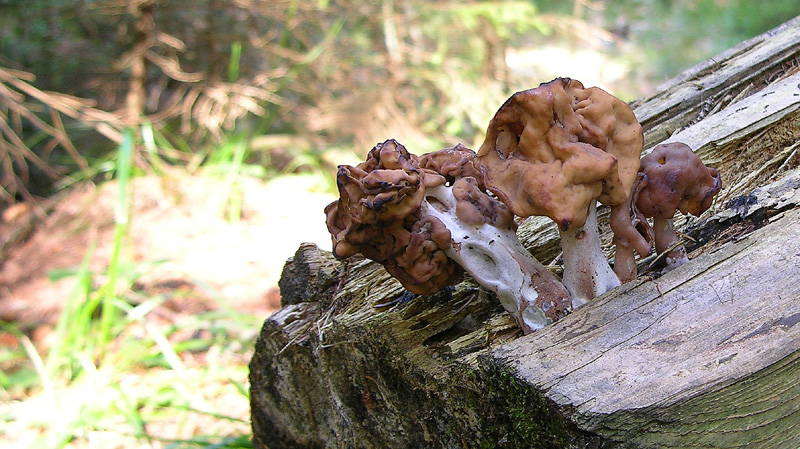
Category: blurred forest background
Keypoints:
(250, 92)
(303, 80)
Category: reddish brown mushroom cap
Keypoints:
(475, 207)
(677, 180)
(423, 267)
(462, 170)
(553, 149)
(673, 179)
(609, 123)
(377, 214)
(453, 163)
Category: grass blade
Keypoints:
(70, 327)
(108, 292)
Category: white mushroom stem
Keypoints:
(498, 261)
(587, 274)
(668, 240)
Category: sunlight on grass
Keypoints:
(116, 374)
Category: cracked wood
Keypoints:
(697, 329)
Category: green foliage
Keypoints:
(229, 161)
(510, 19)
(233, 64)
(336, 74)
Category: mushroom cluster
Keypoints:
(554, 151)
(426, 218)
(378, 215)
(671, 178)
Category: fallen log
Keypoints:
(707, 355)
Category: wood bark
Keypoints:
(707, 355)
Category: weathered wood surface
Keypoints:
(705, 356)
(709, 86)
(671, 361)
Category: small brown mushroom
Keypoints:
(424, 226)
(554, 151)
(677, 180)
(671, 178)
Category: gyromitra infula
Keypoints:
(555, 150)
(672, 178)
(420, 217)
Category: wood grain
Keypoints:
(705, 326)
(690, 96)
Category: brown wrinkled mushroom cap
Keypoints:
(475, 207)
(423, 267)
(377, 214)
(677, 180)
(553, 149)
(453, 163)
(462, 170)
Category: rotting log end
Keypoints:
(416, 377)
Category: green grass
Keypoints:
(113, 374)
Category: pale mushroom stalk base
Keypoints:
(587, 274)
(496, 259)
(666, 238)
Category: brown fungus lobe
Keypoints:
(632, 233)
(677, 180)
(378, 215)
(671, 178)
(554, 151)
